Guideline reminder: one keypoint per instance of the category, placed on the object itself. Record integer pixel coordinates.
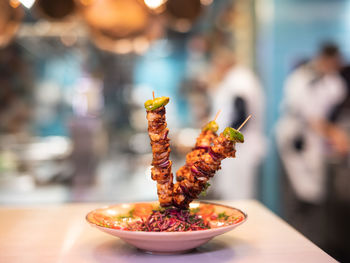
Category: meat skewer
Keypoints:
(158, 134)
(201, 163)
(202, 167)
(203, 143)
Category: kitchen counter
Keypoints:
(59, 233)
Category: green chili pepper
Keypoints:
(233, 135)
(211, 126)
(156, 103)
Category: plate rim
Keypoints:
(154, 233)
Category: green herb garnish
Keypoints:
(129, 215)
(223, 216)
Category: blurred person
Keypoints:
(238, 93)
(305, 136)
(307, 140)
(88, 135)
(338, 199)
(342, 110)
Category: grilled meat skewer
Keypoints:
(202, 166)
(201, 163)
(203, 143)
(158, 134)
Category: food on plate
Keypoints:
(153, 218)
(176, 211)
(201, 163)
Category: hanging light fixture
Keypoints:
(53, 9)
(11, 14)
(115, 25)
(181, 14)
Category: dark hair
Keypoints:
(329, 49)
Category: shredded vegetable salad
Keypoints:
(169, 220)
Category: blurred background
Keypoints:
(74, 75)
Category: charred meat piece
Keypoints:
(203, 143)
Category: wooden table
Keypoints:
(59, 233)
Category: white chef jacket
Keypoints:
(308, 97)
(237, 178)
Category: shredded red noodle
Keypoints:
(169, 220)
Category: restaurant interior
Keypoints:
(75, 74)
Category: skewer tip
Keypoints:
(217, 115)
(247, 119)
(153, 94)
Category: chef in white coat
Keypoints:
(238, 93)
(304, 135)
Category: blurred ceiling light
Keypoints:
(27, 3)
(14, 3)
(154, 4)
(206, 2)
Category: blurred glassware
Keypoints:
(11, 14)
(54, 10)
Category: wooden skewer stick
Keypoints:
(153, 94)
(247, 119)
(217, 115)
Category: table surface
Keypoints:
(59, 233)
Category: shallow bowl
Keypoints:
(164, 242)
